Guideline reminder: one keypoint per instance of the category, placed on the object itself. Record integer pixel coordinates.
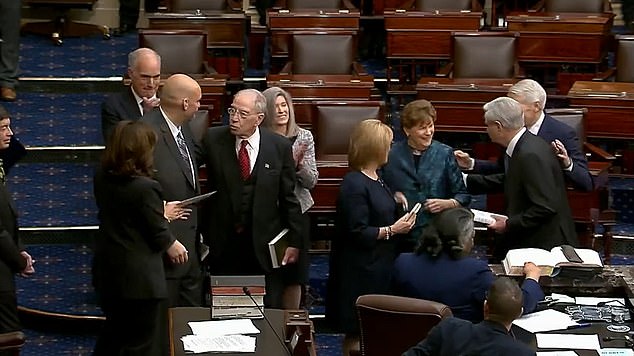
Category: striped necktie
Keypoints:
(2, 175)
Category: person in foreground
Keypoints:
(144, 70)
(422, 169)
(562, 138)
(280, 118)
(253, 171)
(13, 257)
(442, 270)
(533, 185)
(128, 273)
(491, 337)
(368, 228)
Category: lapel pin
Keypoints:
(266, 165)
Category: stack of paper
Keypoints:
(221, 336)
(545, 320)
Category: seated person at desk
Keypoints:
(453, 336)
(563, 138)
(441, 270)
(423, 170)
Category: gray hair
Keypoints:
(133, 56)
(529, 91)
(271, 94)
(260, 101)
(507, 111)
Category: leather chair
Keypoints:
(181, 51)
(587, 6)
(323, 54)
(199, 125)
(62, 26)
(12, 342)
(389, 325)
(483, 55)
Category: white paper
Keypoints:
(556, 353)
(213, 328)
(224, 343)
(485, 217)
(545, 320)
(568, 341)
(613, 351)
(562, 298)
(618, 302)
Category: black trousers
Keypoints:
(129, 11)
(133, 327)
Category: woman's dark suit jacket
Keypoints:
(461, 284)
(133, 235)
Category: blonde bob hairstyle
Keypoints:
(369, 143)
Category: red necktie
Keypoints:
(243, 160)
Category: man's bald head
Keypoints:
(180, 98)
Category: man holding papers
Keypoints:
(491, 337)
(175, 168)
(533, 184)
(253, 171)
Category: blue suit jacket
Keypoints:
(550, 130)
(455, 337)
(461, 284)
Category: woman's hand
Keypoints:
(400, 198)
(438, 205)
(404, 224)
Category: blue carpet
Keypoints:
(45, 343)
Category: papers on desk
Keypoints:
(556, 353)
(615, 302)
(545, 320)
(568, 341)
(602, 352)
(221, 336)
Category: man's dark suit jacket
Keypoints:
(133, 236)
(457, 337)
(11, 261)
(274, 203)
(535, 197)
(551, 130)
(118, 107)
(174, 177)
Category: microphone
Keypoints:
(247, 292)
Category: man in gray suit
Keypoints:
(176, 170)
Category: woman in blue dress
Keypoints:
(422, 170)
(363, 252)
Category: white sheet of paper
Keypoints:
(613, 351)
(545, 320)
(556, 353)
(224, 343)
(568, 341)
(595, 300)
(223, 327)
(562, 298)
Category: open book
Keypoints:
(485, 217)
(548, 261)
(277, 248)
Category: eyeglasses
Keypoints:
(241, 114)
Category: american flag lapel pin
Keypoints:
(266, 165)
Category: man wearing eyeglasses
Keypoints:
(144, 70)
(252, 170)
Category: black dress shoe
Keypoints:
(121, 30)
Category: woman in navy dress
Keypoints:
(422, 170)
(363, 252)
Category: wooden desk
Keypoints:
(610, 106)
(282, 24)
(266, 342)
(459, 102)
(226, 33)
(561, 38)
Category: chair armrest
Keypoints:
(358, 69)
(605, 75)
(288, 68)
(445, 71)
(234, 4)
(539, 6)
(599, 152)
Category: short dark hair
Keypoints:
(504, 300)
(447, 231)
(130, 150)
(417, 112)
(4, 114)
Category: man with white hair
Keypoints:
(533, 184)
(563, 138)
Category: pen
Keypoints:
(580, 325)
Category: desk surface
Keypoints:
(266, 342)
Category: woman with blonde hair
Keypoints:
(368, 228)
(280, 118)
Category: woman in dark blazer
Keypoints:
(128, 272)
(440, 269)
(422, 170)
(368, 227)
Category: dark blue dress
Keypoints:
(359, 263)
